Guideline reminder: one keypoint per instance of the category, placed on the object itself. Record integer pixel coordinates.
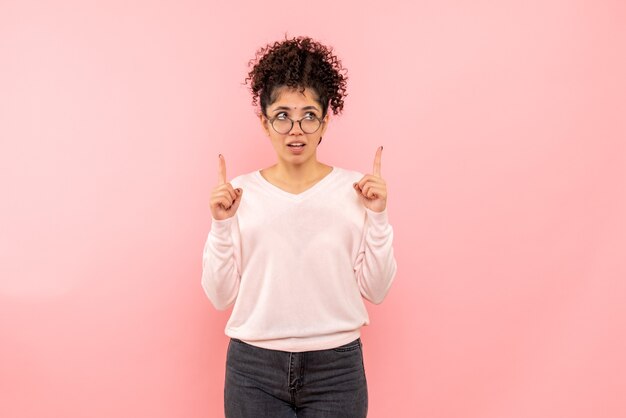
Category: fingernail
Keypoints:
(239, 191)
(381, 147)
(219, 155)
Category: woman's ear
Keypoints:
(264, 124)
(325, 119)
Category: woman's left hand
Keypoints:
(372, 189)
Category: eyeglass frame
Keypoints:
(320, 120)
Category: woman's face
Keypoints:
(295, 146)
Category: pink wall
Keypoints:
(504, 133)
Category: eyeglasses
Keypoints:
(309, 124)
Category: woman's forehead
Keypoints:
(293, 97)
(293, 106)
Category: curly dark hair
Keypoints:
(299, 62)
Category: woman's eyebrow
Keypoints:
(288, 108)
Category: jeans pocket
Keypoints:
(351, 346)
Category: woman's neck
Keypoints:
(296, 176)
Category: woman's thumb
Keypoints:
(239, 192)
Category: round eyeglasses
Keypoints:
(309, 124)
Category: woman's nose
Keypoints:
(296, 128)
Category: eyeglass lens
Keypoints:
(308, 125)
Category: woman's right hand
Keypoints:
(224, 199)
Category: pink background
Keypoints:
(505, 155)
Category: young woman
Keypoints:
(295, 247)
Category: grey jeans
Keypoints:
(312, 384)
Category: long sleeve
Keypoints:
(221, 263)
(375, 266)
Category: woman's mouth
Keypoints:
(296, 147)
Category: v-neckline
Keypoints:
(295, 196)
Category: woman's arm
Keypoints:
(375, 265)
(221, 263)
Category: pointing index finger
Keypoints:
(221, 172)
(377, 158)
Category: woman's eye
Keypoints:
(307, 115)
